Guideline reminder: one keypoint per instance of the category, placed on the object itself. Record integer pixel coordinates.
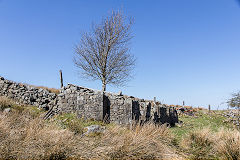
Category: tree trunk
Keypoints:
(103, 87)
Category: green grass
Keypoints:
(15, 107)
(71, 122)
(213, 120)
(34, 111)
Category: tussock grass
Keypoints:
(206, 144)
(117, 142)
(142, 142)
(207, 136)
(228, 144)
(23, 136)
(199, 144)
(5, 103)
(26, 136)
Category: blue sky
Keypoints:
(186, 49)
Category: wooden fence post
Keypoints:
(61, 78)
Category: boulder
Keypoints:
(7, 110)
(94, 129)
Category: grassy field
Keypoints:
(206, 136)
(25, 135)
(202, 119)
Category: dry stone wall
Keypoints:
(27, 94)
(85, 102)
(90, 104)
(117, 108)
(110, 107)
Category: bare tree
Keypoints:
(234, 102)
(104, 52)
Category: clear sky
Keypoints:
(185, 49)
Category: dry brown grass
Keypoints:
(5, 103)
(143, 142)
(23, 136)
(198, 109)
(206, 144)
(51, 90)
(228, 144)
(199, 144)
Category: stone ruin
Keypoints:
(90, 104)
